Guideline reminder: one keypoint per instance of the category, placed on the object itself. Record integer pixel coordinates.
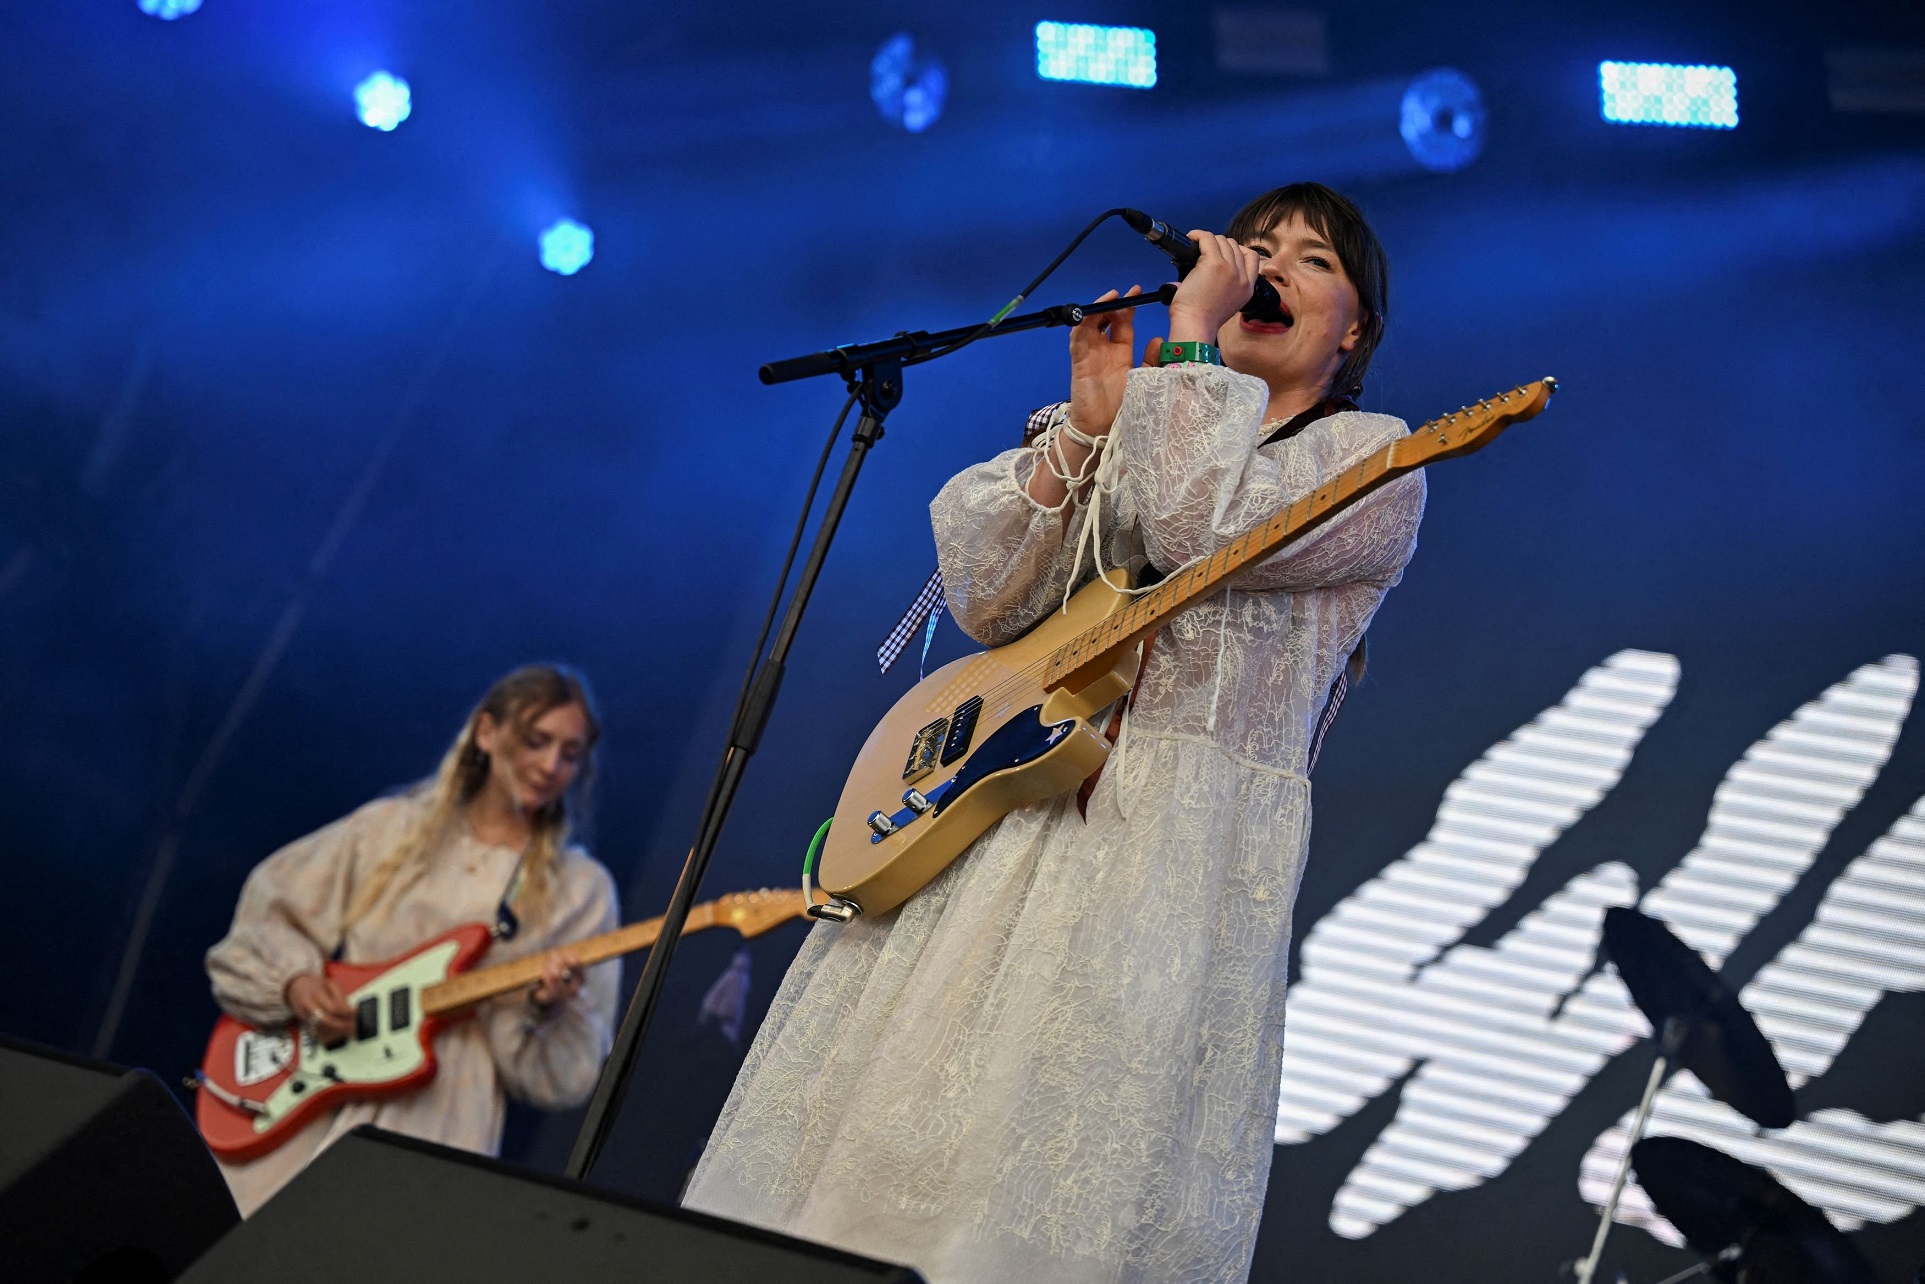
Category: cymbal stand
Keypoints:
(1675, 1031)
(1705, 1267)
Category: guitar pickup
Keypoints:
(367, 1018)
(923, 751)
(400, 1009)
(962, 729)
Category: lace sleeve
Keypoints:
(1196, 479)
(1005, 558)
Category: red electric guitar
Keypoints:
(256, 1088)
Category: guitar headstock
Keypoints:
(1474, 426)
(753, 913)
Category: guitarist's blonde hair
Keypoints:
(512, 703)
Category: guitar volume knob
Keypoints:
(913, 798)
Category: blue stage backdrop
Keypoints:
(302, 447)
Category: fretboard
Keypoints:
(470, 988)
(1095, 650)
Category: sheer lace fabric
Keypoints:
(1060, 1060)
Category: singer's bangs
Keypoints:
(1333, 217)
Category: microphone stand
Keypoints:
(873, 373)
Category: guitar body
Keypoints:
(286, 1079)
(975, 740)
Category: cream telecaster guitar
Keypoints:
(995, 731)
(258, 1087)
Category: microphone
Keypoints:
(1264, 305)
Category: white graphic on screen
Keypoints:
(1499, 1040)
(1867, 940)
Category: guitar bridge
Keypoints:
(923, 751)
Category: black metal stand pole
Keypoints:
(879, 390)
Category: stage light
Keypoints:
(1443, 120)
(567, 247)
(1662, 93)
(383, 101)
(168, 10)
(907, 85)
(1096, 55)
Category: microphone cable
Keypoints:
(1022, 294)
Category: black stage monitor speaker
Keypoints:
(102, 1176)
(376, 1206)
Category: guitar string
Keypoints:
(1028, 673)
(460, 984)
(1234, 563)
(1017, 678)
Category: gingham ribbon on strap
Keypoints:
(1338, 690)
(928, 606)
(930, 602)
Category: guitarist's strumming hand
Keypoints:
(1099, 363)
(319, 1004)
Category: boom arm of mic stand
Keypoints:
(915, 345)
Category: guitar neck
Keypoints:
(470, 988)
(1096, 649)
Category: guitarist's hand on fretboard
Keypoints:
(561, 979)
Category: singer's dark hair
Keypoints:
(1341, 223)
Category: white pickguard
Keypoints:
(388, 1055)
(259, 1055)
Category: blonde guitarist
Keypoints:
(484, 840)
(1059, 1059)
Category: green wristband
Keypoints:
(1180, 353)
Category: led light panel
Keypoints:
(1662, 93)
(1096, 55)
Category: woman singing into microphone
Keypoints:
(1060, 1060)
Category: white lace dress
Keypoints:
(1059, 1061)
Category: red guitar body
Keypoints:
(260, 1087)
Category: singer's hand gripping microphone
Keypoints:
(1264, 305)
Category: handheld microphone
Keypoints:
(1264, 305)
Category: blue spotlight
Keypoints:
(908, 86)
(1442, 120)
(168, 10)
(383, 101)
(567, 247)
(1096, 55)
(1662, 93)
